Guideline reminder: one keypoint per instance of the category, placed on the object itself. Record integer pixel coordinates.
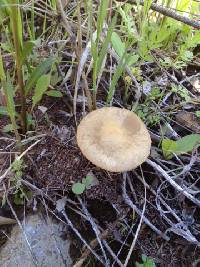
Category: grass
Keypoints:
(120, 30)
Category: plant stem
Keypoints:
(15, 30)
(9, 102)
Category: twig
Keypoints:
(159, 199)
(24, 233)
(93, 244)
(172, 182)
(79, 235)
(94, 227)
(112, 253)
(80, 73)
(170, 13)
(134, 207)
(140, 223)
(18, 158)
(66, 24)
(124, 242)
(187, 167)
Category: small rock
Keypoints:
(48, 249)
(95, 181)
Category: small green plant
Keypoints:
(197, 113)
(98, 50)
(120, 48)
(184, 145)
(181, 92)
(146, 111)
(20, 192)
(26, 77)
(79, 188)
(146, 262)
(160, 32)
(148, 114)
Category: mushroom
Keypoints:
(114, 139)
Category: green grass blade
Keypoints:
(32, 20)
(2, 73)
(10, 105)
(117, 44)
(9, 93)
(115, 78)
(20, 28)
(103, 9)
(27, 50)
(104, 49)
(41, 87)
(43, 68)
(4, 10)
(102, 12)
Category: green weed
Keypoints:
(20, 193)
(146, 262)
(79, 188)
(183, 145)
(27, 77)
(148, 112)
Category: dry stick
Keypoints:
(79, 49)
(160, 199)
(86, 253)
(170, 13)
(81, 61)
(134, 207)
(93, 244)
(98, 235)
(18, 158)
(188, 167)
(112, 253)
(172, 182)
(94, 227)
(24, 233)
(78, 77)
(179, 228)
(123, 243)
(79, 235)
(65, 84)
(141, 219)
(171, 77)
(65, 21)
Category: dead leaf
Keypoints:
(60, 204)
(4, 220)
(95, 181)
(196, 84)
(189, 120)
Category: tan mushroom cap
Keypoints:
(114, 139)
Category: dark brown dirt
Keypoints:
(59, 165)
